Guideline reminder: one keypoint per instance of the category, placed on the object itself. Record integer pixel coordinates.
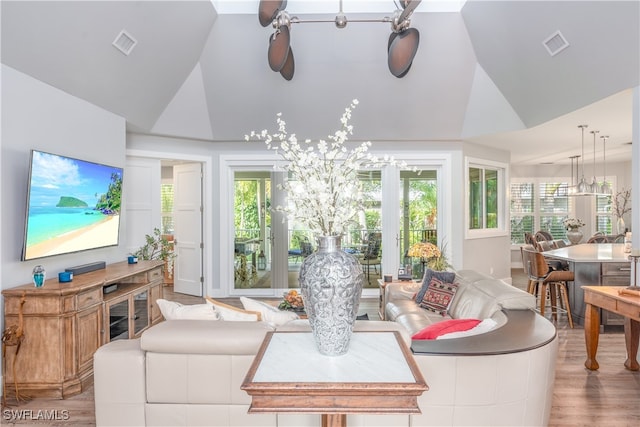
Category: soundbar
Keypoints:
(85, 268)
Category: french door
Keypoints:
(261, 240)
(419, 215)
(402, 206)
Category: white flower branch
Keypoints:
(323, 189)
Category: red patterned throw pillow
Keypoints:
(439, 296)
(432, 332)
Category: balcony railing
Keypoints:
(354, 238)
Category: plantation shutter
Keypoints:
(603, 214)
(554, 206)
(522, 211)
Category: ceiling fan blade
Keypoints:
(392, 37)
(279, 48)
(405, 71)
(402, 50)
(268, 10)
(409, 6)
(289, 66)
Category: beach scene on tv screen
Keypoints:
(73, 206)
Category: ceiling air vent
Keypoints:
(555, 43)
(125, 42)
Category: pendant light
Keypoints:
(572, 190)
(605, 189)
(595, 187)
(583, 187)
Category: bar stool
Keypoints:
(531, 284)
(548, 282)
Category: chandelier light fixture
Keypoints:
(401, 48)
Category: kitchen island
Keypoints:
(594, 264)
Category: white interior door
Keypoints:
(187, 210)
(141, 202)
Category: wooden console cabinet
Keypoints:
(65, 323)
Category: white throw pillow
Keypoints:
(172, 310)
(269, 313)
(234, 314)
(485, 326)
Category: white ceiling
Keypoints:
(481, 75)
(557, 140)
(224, 7)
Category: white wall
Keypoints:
(38, 116)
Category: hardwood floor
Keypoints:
(607, 397)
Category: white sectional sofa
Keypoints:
(189, 372)
(501, 377)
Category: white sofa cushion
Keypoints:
(172, 310)
(506, 295)
(231, 313)
(474, 304)
(269, 313)
(485, 326)
(203, 337)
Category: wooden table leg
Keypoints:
(631, 338)
(591, 335)
(334, 420)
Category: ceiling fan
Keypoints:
(401, 48)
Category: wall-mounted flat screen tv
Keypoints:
(72, 205)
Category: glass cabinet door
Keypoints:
(118, 315)
(140, 312)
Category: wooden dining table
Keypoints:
(619, 300)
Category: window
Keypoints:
(539, 204)
(522, 211)
(542, 204)
(485, 189)
(604, 215)
(553, 207)
(166, 199)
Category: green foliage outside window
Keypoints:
(483, 198)
(246, 210)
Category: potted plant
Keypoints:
(158, 246)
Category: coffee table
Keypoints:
(378, 375)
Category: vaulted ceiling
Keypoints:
(481, 75)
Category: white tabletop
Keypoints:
(373, 357)
(591, 252)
